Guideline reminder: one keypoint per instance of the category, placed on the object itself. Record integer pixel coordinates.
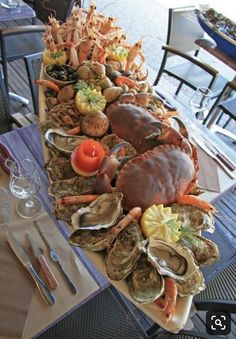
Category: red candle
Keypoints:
(86, 158)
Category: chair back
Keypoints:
(33, 63)
(61, 9)
(5, 118)
(183, 29)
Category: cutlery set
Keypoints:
(52, 282)
(215, 153)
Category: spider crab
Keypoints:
(164, 172)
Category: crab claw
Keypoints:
(168, 135)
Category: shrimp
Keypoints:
(168, 303)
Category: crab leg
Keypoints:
(134, 214)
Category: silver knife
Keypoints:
(213, 156)
(22, 256)
(55, 257)
(214, 149)
(51, 280)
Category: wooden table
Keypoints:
(24, 11)
(26, 143)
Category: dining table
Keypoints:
(29, 311)
(88, 269)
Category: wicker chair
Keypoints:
(33, 63)
(16, 42)
(188, 69)
(5, 117)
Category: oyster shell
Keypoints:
(63, 142)
(170, 259)
(194, 217)
(145, 284)
(191, 286)
(75, 186)
(60, 169)
(64, 212)
(124, 254)
(93, 240)
(204, 250)
(103, 212)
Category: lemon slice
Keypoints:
(117, 53)
(159, 222)
(89, 101)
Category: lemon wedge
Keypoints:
(159, 222)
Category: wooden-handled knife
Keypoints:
(51, 280)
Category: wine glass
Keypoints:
(200, 101)
(24, 184)
(4, 206)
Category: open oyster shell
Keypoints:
(191, 286)
(204, 250)
(124, 254)
(194, 217)
(63, 142)
(103, 212)
(145, 284)
(170, 259)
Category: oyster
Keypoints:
(170, 259)
(92, 240)
(204, 250)
(194, 217)
(64, 212)
(75, 186)
(103, 212)
(60, 169)
(145, 284)
(63, 142)
(124, 254)
(191, 286)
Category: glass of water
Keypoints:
(4, 206)
(25, 184)
(200, 101)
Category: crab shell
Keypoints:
(158, 176)
(135, 124)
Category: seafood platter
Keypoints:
(125, 181)
(221, 29)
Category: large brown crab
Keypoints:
(161, 174)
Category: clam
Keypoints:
(103, 212)
(124, 254)
(170, 259)
(191, 286)
(194, 217)
(145, 284)
(63, 142)
(95, 124)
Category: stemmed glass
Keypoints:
(24, 184)
(200, 101)
(4, 206)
